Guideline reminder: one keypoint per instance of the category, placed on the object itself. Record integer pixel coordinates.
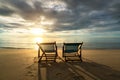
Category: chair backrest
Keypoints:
(48, 47)
(71, 47)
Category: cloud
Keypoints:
(95, 15)
(115, 10)
(6, 11)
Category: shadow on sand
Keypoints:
(76, 71)
(100, 72)
(72, 70)
(56, 71)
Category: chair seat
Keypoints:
(69, 54)
(70, 51)
(49, 51)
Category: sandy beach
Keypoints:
(21, 64)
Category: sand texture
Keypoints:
(21, 64)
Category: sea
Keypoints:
(86, 45)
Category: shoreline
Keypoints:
(61, 47)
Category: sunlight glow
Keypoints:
(47, 22)
(36, 47)
(38, 40)
(37, 31)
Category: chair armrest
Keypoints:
(63, 51)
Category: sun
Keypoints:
(37, 31)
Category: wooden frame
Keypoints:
(77, 50)
(45, 52)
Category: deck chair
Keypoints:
(72, 50)
(48, 50)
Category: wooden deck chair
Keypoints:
(72, 50)
(49, 51)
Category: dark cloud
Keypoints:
(79, 14)
(10, 25)
(24, 9)
(3, 25)
(90, 4)
(116, 28)
(6, 11)
(16, 24)
(115, 12)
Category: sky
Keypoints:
(60, 20)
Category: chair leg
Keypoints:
(65, 59)
(40, 57)
(80, 56)
(45, 57)
(55, 57)
(81, 59)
